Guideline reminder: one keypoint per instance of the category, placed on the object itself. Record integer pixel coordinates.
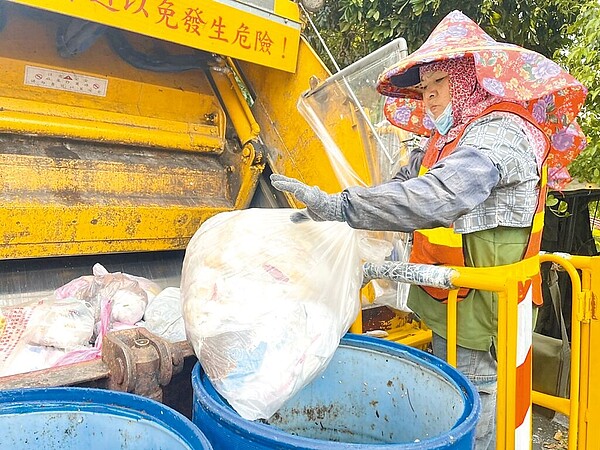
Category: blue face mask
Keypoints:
(444, 121)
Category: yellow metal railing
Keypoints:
(511, 282)
(585, 320)
(507, 282)
(584, 367)
(570, 406)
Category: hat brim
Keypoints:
(408, 78)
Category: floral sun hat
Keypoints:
(552, 96)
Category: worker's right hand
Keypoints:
(320, 206)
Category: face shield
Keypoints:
(347, 113)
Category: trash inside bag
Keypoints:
(63, 324)
(68, 326)
(129, 294)
(163, 315)
(266, 301)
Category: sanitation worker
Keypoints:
(496, 115)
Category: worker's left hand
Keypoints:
(320, 206)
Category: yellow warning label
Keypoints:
(227, 27)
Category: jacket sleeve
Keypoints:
(450, 189)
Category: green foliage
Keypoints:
(354, 28)
(559, 207)
(582, 58)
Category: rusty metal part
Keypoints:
(141, 362)
(133, 360)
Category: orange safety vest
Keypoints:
(442, 246)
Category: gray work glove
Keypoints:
(320, 206)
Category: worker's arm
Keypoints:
(450, 189)
(493, 152)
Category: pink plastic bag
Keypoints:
(89, 354)
(129, 294)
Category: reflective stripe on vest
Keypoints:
(442, 246)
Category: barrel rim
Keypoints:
(222, 412)
(94, 400)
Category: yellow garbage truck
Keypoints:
(125, 124)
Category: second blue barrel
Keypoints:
(374, 395)
(92, 419)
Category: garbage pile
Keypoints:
(68, 326)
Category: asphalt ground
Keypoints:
(549, 432)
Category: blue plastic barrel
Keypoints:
(92, 419)
(374, 395)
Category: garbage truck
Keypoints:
(126, 124)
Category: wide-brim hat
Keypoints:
(508, 71)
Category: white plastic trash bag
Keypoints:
(129, 294)
(163, 315)
(266, 301)
(64, 324)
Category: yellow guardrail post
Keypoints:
(512, 284)
(569, 407)
(589, 357)
(501, 357)
(451, 322)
